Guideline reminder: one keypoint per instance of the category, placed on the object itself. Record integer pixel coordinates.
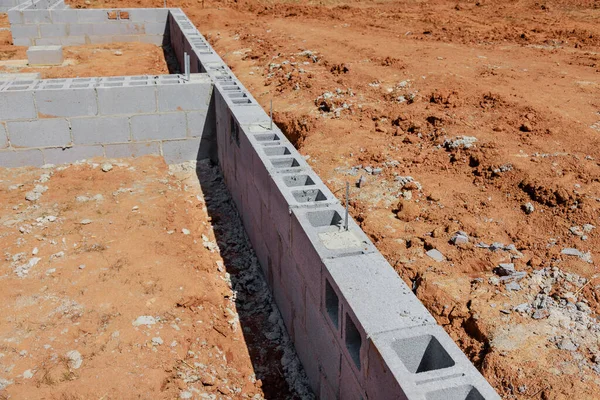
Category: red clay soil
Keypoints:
(388, 90)
(92, 60)
(112, 287)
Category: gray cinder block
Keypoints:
(53, 30)
(156, 40)
(63, 16)
(326, 392)
(71, 154)
(22, 41)
(73, 40)
(108, 28)
(37, 17)
(39, 133)
(124, 150)
(98, 130)
(24, 32)
(317, 234)
(185, 96)
(21, 158)
(3, 136)
(421, 360)
(155, 28)
(471, 386)
(350, 388)
(76, 29)
(15, 17)
(364, 283)
(324, 341)
(159, 127)
(91, 16)
(17, 105)
(158, 15)
(177, 151)
(126, 100)
(306, 354)
(66, 102)
(196, 122)
(45, 55)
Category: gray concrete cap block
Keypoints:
(99, 130)
(158, 127)
(45, 55)
(300, 190)
(71, 154)
(124, 150)
(39, 133)
(324, 228)
(472, 386)
(189, 96)
(126, 100)
(21, 158)
(66, 102)
(425, 360)
(377, 296)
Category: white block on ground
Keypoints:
(45, 55)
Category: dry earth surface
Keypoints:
(479, 117)
(124, 279)
(85, 61)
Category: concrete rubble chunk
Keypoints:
(436, 255)
(144, 320)
(505, 269)
(569, 251)
(460, 237)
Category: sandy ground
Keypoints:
(84, 61)
(120, 285)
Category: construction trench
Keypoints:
(358, 329)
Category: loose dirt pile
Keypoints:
(116, 283)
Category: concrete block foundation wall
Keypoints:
(60, 26)
(358, 329)
(6, 5)
(64, 120)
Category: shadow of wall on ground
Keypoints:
(270, 349)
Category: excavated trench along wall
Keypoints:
(358, 329)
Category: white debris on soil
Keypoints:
(144, 320)
(75, 359)
(252, 292)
